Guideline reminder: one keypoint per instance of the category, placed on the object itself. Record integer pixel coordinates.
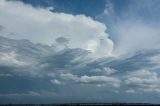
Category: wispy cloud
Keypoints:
(133, 26)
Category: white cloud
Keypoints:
(104, 70)
(57, 82)
(108, 11)
(143, 80)
(155, 58)
(93, 79)
(133, 36)
(39, 25)
(10, 59)
(109, 8)
(130, 91)
(108, 70)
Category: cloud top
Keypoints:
(40, 25)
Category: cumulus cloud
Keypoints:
(143, 80)
(92, 79)
(39, 25)
(108, 70)
(155, 60)
(105, 70)
(9, 59)
(55, 81)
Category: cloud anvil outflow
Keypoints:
(54, 54)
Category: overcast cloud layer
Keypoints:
(51, 57)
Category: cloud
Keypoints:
(9, 59)
(107, 13)
(40, 25)
(71, 72)
(130, 91)
(92, 79)
(133, 26)
(5, 75)
(109, 9)
(131, 34)
(29, 93)
(59, 57)
(143, 80)
(1, 27)
(55, 81)
(104, 70)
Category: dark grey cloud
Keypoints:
(1, 27)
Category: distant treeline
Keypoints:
(85, 104)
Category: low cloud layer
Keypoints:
(48, 73)
(143, 80)
(109, 81)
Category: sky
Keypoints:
(57, 51)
